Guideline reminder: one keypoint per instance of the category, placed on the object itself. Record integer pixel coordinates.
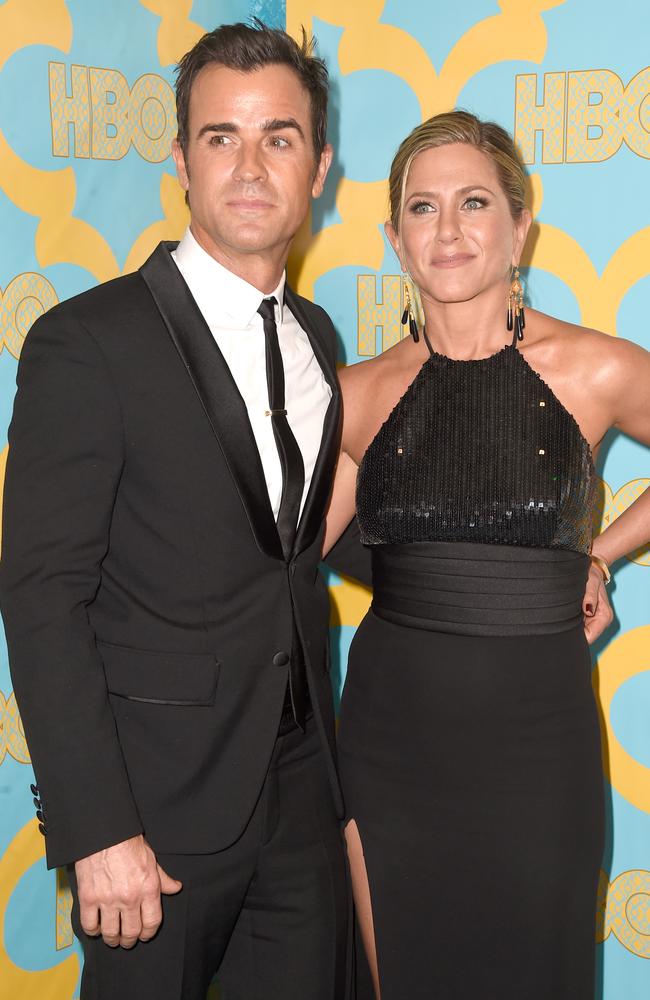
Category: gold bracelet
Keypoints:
(602, 566)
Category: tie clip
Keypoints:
(275, 413)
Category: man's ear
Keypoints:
(322, 170)
(181, 167)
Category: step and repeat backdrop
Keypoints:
(87, 189)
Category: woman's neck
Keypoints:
(468, 330)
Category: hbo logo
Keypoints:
(106, 116)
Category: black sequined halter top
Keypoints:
(478, 451)
(476, 496)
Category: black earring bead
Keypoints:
(509, 318)
(519, 326)
(405, 316)
(413, 327)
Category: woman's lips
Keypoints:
(456, 260)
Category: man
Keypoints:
(172, 449)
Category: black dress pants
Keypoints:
(269, 915)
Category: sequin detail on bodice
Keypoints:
(478, 451)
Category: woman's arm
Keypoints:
(341, 508)
(630, 381)
(354, 383)
(627, 387)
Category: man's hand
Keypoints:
(596, 608)
(119, 893)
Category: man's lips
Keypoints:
(250, 204)
(455, 260)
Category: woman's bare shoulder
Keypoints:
(359, 378)
(604, 355)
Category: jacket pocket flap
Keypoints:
(160, 678)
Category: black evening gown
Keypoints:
(469, 737)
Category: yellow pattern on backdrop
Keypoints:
(56, 983)
(624, 911)
(627, 656)
(12, 734)
(177, 33)
(33, 22)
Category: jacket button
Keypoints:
(39, 815)
(280, 659)
(37, 803)
(33, 789)
(42, 829)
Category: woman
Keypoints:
(469, 738)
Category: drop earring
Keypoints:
(515, 319)
(407, 315)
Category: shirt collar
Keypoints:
(230, 297)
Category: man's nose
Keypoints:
(250, 164)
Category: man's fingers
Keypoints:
(89, 918)
(151, 917)
(110, 926)
(168, 885)
(130, 927)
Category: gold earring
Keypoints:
(407, 315)
(515, 319)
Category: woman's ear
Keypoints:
(393, 239)
(522, 225)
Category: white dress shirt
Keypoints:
(229, 306)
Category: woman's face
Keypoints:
(457, 236)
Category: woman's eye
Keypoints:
(474, 203)
(421, 208)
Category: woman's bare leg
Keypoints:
(362, 900)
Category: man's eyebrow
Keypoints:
(217, 127)
(280, 124)
(270, 125)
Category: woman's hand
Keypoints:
(596, 609)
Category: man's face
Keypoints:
(249, 164)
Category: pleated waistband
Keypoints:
(477, 589)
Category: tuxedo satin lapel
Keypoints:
(216, 389)
(321, 482)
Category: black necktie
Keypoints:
(293, 481)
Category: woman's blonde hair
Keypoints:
(459, 126)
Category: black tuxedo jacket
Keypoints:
(147, 604)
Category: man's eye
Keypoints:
(279, 141)
(219, 140)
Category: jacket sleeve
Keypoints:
(66, 454)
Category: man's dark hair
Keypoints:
(246, 48)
